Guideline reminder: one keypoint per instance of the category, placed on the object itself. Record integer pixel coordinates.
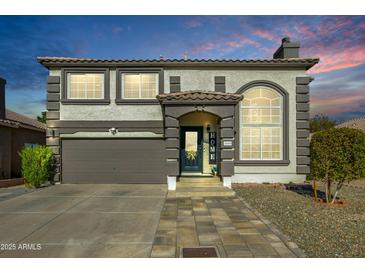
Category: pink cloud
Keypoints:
(339, 58)
(337, 103)
(237, 40)
(305, 30)
(332, 24)
(206, 46)
(266, 34)
(193, 23)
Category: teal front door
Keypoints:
(191, 149)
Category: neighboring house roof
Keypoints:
(358, 123)
(16, 120)
(294, 62)
(198, 95)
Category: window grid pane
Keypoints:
(85, 85)
(261, 125)
(140, 86)
(131, 86)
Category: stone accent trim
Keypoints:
(227, 149)
(172, 145)
(302, 124)
(53, 140)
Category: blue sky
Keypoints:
(338, 91)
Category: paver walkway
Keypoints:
(226, 223)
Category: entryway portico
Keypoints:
(176, 107)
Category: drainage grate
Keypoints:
(199, 252)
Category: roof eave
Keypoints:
(236, 64)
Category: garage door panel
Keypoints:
(113, 161)
(116, 178)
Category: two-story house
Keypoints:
(152, 121)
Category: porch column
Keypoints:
(172, 151)
(227, 150)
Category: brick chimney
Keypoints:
(287, 49)
(2, 98)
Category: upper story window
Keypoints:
(85, 85)
(261, 126)
(139, 85)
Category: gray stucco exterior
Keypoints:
(149, 121)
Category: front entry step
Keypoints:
(200, 187)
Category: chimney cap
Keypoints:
(287, 49)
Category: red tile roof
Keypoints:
(199, 95)
(48, 61)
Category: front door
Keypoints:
(191, 149)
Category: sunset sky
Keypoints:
(339, 41)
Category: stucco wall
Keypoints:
(204, 80)
(111, 112)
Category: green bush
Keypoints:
(36, 165)
(337, 155)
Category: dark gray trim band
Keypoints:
(53, 80)
(105, 124)
(263, 163)
(105, 100)
(220, 83)
(285, 95)
(175, 84)
(119, 71)
(302, 124)
(53, 114)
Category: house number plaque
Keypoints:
(212, 147)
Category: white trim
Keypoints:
(227, 181)
(171, 182)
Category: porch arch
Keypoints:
(222, 105)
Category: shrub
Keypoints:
(320, 122)
(337, 155)
(36, 165)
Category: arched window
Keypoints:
(261, 124)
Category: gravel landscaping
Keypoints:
(320, 230)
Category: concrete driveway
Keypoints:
(82, 221)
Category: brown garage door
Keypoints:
(91, 161)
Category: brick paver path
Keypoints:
(226, 223)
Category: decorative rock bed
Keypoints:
(320, 230)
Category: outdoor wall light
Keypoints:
(208, 127)
(53, 133)
(113, 130)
